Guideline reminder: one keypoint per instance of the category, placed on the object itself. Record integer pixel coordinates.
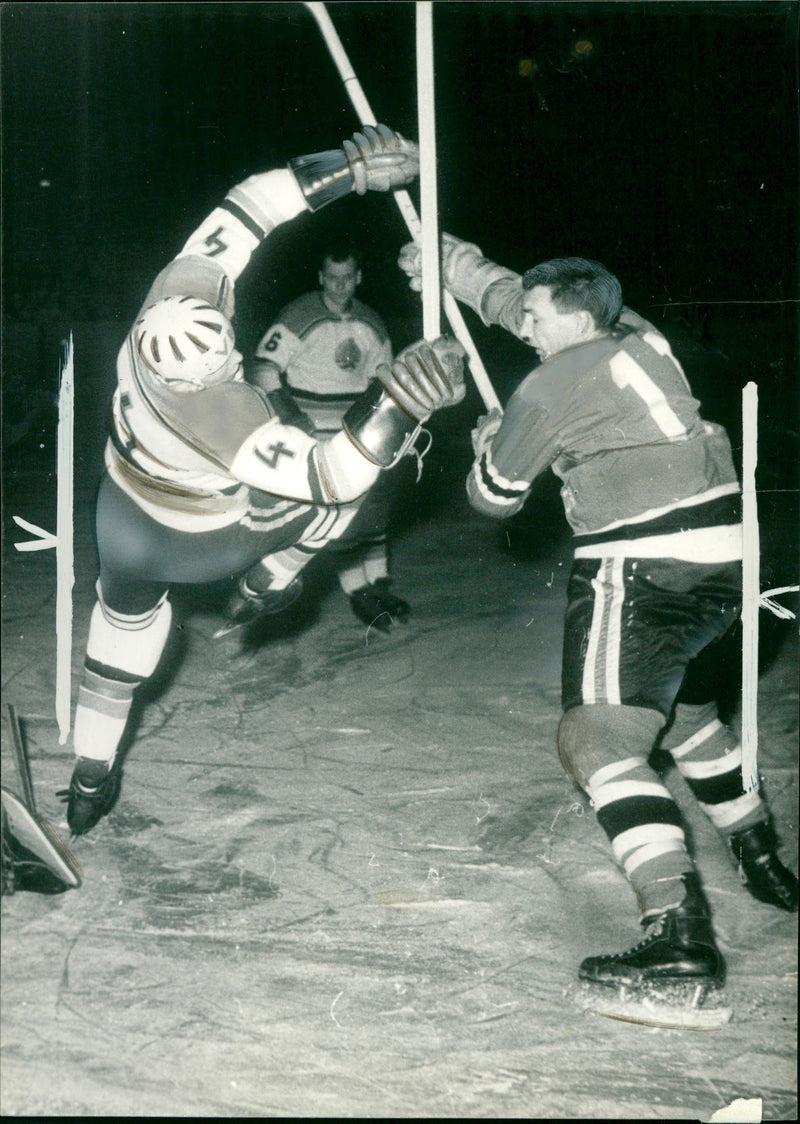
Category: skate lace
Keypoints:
(654, 929)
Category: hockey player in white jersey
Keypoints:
(313, 361)
(651, 493)
(202, 479)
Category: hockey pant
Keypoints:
(130, 623)
(606, 740)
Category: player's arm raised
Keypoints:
(375, 159)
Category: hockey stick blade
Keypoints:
(21, 758)
(36, 847)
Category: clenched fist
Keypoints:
(426, 377)
(380, 159)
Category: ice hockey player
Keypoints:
(313, 361)
(651, 493)
(202, 479)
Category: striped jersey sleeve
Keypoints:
(218, 251)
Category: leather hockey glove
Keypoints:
(375, 159)
(466, 273)
(426, 377)
(381, 160)
(423, 378)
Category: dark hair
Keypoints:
(578, 284)
(340, 250)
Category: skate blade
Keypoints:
(232, 627)
(226, 630)
(685, 1007)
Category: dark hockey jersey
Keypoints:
(642, 472)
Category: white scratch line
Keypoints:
(336, 1000)
(65, 573)
(45, 540)
(62, 541)
(483, 800)
(751, 596)
(767, 602)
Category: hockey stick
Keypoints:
(403, 199)
(751, 588)
(429, 240)
(21, 757)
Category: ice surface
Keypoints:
(347, 876)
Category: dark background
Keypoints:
(669, 151)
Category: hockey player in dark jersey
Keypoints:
(650, 491)
(202, 479)
(313, 361)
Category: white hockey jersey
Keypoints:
(323, 359)
(190, 459)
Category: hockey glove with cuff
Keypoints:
(375, 159)
(466, 273)
(423, 378)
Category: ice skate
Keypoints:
(375, 605)
(92, 792)
(672, 978)
(760, 869)
(246, 605)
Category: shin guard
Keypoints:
(709, 757)
(121, 652)
(605, 748)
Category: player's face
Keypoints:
(546, 329)
(339, 281)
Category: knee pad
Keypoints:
(132, 644)
(593, 737)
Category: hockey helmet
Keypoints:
(185, 340)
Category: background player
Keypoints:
(315, 359)
(202, 479)
(650, 491)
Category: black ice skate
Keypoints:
(761, 870)
(246, 605)
(92, 793)
(671, 978)
(377, 606)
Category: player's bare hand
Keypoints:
(381, 159)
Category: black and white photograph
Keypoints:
(401, 512)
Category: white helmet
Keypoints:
(185, 340)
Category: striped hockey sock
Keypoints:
(645, 828)
(120, 653)
(709, 757)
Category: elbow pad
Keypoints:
(380, 429)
